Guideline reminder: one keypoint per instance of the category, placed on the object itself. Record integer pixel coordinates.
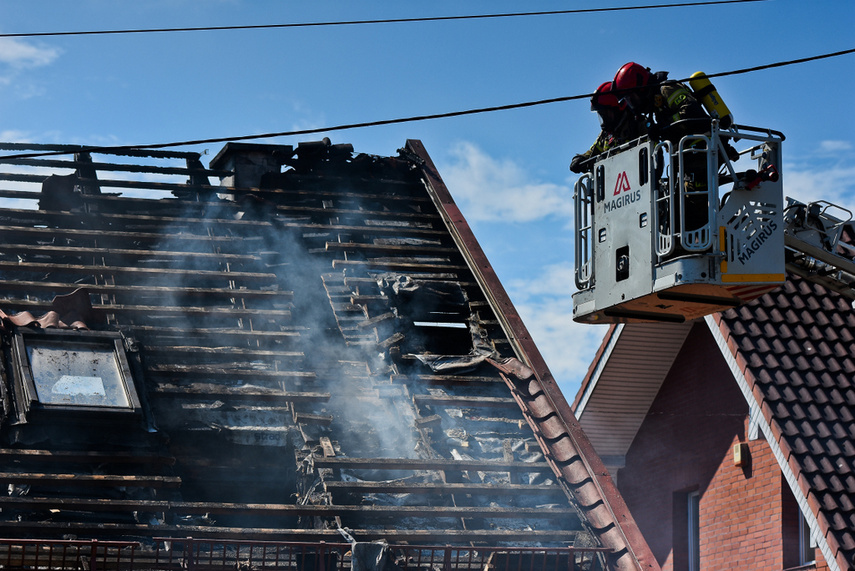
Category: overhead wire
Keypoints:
(382, 122)
(371, 21)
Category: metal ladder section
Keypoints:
(814, 246)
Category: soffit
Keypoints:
(621, 387)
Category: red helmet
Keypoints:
(632, 75)
(604, 97)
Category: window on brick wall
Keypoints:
(685, 532)
(807, 545)
(693, 504)
(798, 546)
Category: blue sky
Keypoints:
(507, 170)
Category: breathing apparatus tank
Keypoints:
(706, 93)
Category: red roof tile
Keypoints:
(795, 346)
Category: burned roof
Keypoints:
(314, 344)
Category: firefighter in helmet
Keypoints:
(617, 124)
(662, 102)
(671, 111)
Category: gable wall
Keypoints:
(686, 444)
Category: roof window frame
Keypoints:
(33, 407)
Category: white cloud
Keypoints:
(490, 189)
(835, 184)
(20, 54)
(546, 307)
(556, 279)
(568, 347)
(835, 146)
(14, 136)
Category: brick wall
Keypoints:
(686, 444)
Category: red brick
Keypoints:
(686, 442)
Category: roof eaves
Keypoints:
(737, 363)
(617, 528)
(624, 382)
(589, 383)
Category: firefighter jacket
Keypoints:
(675, 102)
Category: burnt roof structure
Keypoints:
(312, 347)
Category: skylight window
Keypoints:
(67, 373)
(75, 371)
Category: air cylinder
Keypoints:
(706, 93)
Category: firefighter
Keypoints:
(671, 112)
(660, 101)
(618, 125)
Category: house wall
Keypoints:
(746, 513)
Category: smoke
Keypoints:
(313, 357)
(235, 298)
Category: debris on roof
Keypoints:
(313, 350)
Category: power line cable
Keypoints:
(375, 21)
(382, 122)
(360, 22)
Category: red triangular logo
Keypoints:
(622, 184)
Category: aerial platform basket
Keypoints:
(675, 231)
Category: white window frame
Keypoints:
(807, 543)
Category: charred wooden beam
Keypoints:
(82, 269)
(395, 265)
(465, 402)
(114, 167)
(371, 322)
(355, 213)
(395, 338)
(100, 219)
(423, 536)
(433, 278)
(83, 456)
(462, 380)
(411, 229)
(279, 510)
(344, 212)
(190, 292)
(155, 310)
(364, 487)
(388, 248)
(208, 312)
(428, 464)
(168, 334)
(329, 192)
(119, 236)
(310, 418)
(33, 478)
(209, 390)
(230, 373)
(116, 183)
(431, 421)
(225, 352)
(117, 253)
